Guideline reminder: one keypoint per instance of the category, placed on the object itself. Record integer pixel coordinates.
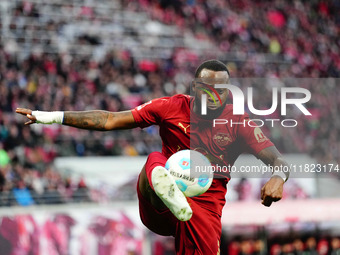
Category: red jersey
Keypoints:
(181, 128)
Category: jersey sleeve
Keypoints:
(152, 112)
(252, 137)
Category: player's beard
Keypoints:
(211, 114)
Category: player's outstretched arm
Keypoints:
(92, 120)
(272, 191)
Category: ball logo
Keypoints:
(185, 163)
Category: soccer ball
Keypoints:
(192, 172)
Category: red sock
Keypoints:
(155, 159)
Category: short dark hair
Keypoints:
(213, 64)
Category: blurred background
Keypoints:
(70, 191)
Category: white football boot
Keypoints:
(167, 190)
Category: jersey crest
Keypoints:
(222, 139)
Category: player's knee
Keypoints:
(155, 154)
(147, 192)
(143, 183)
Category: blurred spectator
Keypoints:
(298, 246)
(323, 247)
(287, 249)
(311, 246)
(275, 249)
(163, 246)
(234, 247)
(4, 158)
(244, 190)
(246, 247)
(335, 246)
(22, 194)
(284, 245)
(259, 247)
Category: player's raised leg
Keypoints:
(160, 189)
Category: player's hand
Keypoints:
(272, 190)
(28, 114)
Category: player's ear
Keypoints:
(193, 86)
(228, 82)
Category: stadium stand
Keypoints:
(115, 55)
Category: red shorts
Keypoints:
(200, 235)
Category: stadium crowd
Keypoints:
(255, 39)
(306, 244)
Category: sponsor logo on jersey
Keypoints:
(260, 137)
(182, 126)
